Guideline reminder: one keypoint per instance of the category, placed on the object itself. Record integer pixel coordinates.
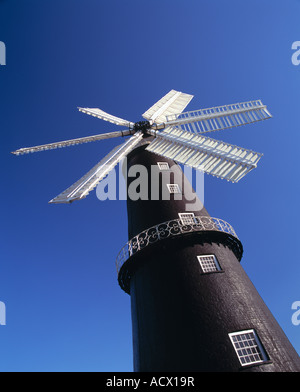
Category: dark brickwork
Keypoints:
(181, 316)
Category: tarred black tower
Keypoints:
(193, 306)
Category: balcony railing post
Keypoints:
(158, 235)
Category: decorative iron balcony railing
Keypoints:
(169, 229)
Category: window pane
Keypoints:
(163, 165)
(209, 263)
(187, 218)
(248, 347)
(173, 188)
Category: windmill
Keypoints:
(193, 307)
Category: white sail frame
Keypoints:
(84, 185)
(214, 157)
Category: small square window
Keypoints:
(173, 188)
(163, 165)
(248, 347)
(209, 263)
(187, 218)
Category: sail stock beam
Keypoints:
(71, 142)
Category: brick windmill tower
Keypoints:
(193, 306)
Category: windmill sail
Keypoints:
(95, 112)
(71, 142)
(214, 157)
(220, 117)
(82, 187)
(177, 135)
(172, 103)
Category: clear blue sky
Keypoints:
(65, 310)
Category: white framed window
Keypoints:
(187, 218)
(163, 165)
(174, 188)
(248, 347)
(209, 263)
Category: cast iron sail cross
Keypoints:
(176, 135)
